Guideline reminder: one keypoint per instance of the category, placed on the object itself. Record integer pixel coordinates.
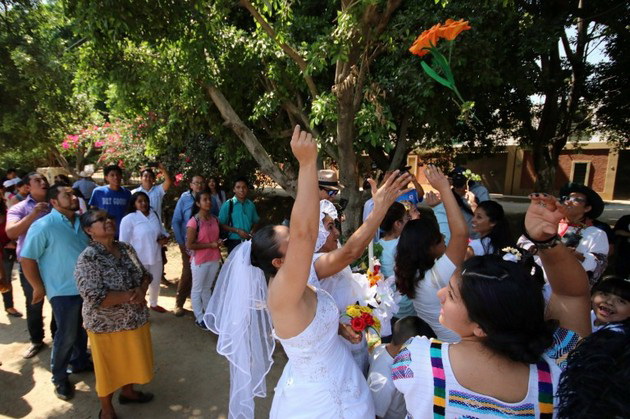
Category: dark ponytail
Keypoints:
(265, 249)
(413, 253)
(505, 298)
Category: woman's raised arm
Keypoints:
(289, 283)
(332, 262)
(570, 298)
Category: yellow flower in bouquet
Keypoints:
(353, 310)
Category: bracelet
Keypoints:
(544, 244)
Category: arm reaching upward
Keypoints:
(287, 288)
(570, 297)
(458, 243)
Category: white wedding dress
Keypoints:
(321, 379)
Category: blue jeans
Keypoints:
(34, 316)
(70, 344)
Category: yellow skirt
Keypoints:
(121, 358)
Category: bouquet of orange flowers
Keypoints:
(361, 318)
(427, 42)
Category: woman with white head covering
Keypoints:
(331, 262)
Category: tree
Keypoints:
(36, 81)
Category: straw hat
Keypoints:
(328, 179)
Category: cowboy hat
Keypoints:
(328, 179)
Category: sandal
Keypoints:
(13, 312)
(142, 398)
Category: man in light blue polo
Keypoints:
(238, 215)
(50, 252)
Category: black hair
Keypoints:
(394, 213)
(500, 236)
(149, 171)
(195, 208)
(413, 257)
(27, 177)
(110, 168)
(594, 383)
(216, 182)
(131, 206)
(613, 284)
(460, 202)
(240, 179)
(265, 249)
(505, 299)
(408, 327)
(11, 170)
(62, 179)
(53, 191)
(87, 218)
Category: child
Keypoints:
(389, 402)
(202, 240)
(610, 301)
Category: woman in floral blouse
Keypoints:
(113, 283)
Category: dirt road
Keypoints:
(191, 379)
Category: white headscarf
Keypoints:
(237, 312)
(325, 208)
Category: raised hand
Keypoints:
(303, 146)
(432, 199)
(390, 190)
(437, 179)
(542, 217)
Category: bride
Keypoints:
(265, 281)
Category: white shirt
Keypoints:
(142, 233)
(389, 403)
(156, 195)
(426, 301)
(479, 246)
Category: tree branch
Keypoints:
(250, 141)
(290, 51)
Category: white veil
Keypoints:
(237, 312)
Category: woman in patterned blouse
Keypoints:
(113, 283)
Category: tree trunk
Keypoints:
(348, 170)
(250, 141)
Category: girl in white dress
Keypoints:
(321, 379)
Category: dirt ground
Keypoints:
(191, 379)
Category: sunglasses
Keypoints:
(330, 192)
(102, 219)
(573, 199)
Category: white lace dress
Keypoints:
(345, 291)
(321, 380)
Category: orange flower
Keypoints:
(426, 40)
(452, 28)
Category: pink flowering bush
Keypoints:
(117, 142)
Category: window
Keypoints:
(580, 171)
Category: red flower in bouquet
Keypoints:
(358, 324)
(368, 319)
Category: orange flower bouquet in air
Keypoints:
(427, 43)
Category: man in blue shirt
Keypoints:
(51, 249)
(112, 197)
(238, 215)
(181, 216)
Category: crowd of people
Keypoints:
(488, 324)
